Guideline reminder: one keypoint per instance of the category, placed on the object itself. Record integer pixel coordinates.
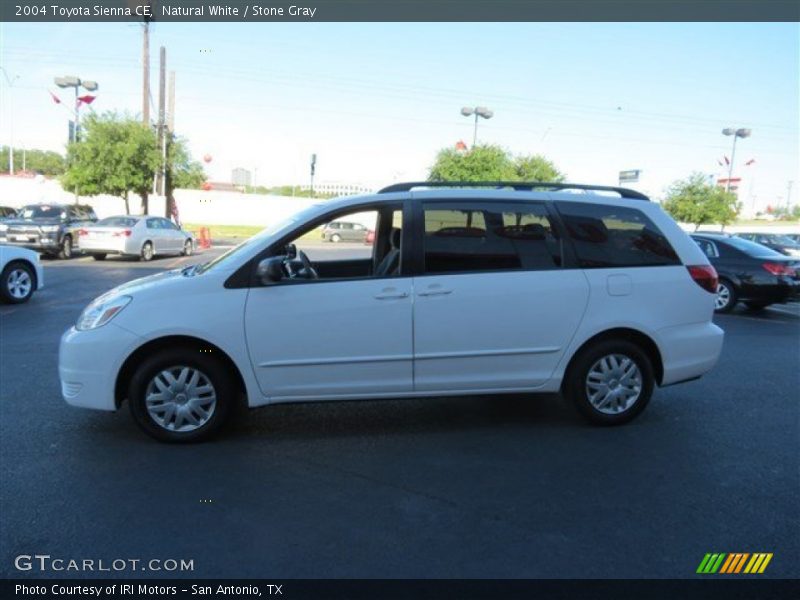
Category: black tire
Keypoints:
(13, 269)
(732, 297)
(756, 306)
(188, 248)
(147, 252)
(212, 368)
(575, 384)
(65, 252)
(99, 256)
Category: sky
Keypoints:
(376, 101)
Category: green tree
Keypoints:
(695, 200)
(46, 162)
(116, 156)
(491, 163)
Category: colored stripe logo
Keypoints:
(734, 563)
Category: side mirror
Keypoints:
(270, 270)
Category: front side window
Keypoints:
(613, 236)
(153, 224)
(492, 236)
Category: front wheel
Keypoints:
(610, 382)
(17, 283)
(181, 395)
(336, 238)
(188, 248)
(147, 252)
(726, 297)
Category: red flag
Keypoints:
(727, 162)
(750, 162)
(460, 145)
(87, 99)
(55, 98)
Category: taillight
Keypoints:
(705, 276)
(126, 233)
(82, 232)
(779, 269)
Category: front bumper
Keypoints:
(88, 364)
(40, 243)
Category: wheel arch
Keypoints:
(136, 357)
(644, 341)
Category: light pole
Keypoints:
(736, 133)
(313, 168)
(478, 111)
(76, 82)
(10, 81)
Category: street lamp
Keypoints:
(478, 111)
(736, 133)
(76, 82)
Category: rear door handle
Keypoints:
(436, 293)
(391, 296)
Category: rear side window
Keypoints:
(469, 237)
(613, 236)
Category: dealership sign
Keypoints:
(630, 176)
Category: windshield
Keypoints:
(751, 248)
(259, 239)
(42, 211)
(116, 222)
(781, 239)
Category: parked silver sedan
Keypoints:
(129, 235)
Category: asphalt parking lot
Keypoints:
(444, 487)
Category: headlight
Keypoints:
(49, 228)
(100, 312)
(3, 227)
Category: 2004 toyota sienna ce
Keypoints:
(591, 291)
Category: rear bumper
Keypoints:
(782, 291)
(107, 246)
(689, 351)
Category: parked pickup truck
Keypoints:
(51, 229)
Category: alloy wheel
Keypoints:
(19, 284)
(723, 296)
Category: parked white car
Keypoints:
(131, 235)
(21, 274)
(466, 291)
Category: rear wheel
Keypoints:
(66, 247)
(17, 283)
(147, 252)
(336, 238)
(181, 395)
(188, 248)
(610, 382)
(100, 256)
(726, 297)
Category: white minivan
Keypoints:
(467, 289)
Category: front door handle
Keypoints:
(436, 293)
(391, 296)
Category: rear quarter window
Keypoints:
(613, 236)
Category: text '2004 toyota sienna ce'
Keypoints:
(467, 289)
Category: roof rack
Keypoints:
(520, 186)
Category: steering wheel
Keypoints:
(306, 272)
(310, 271)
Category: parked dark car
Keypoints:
(51, 229)
(749, 272)
(6, 212)
(776, 241)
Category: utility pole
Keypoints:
(789, 195)
(162, 91)
(10, 81)
(146, 74)
(169, 199)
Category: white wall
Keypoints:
(195, 206)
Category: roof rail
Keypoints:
(520, 186)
